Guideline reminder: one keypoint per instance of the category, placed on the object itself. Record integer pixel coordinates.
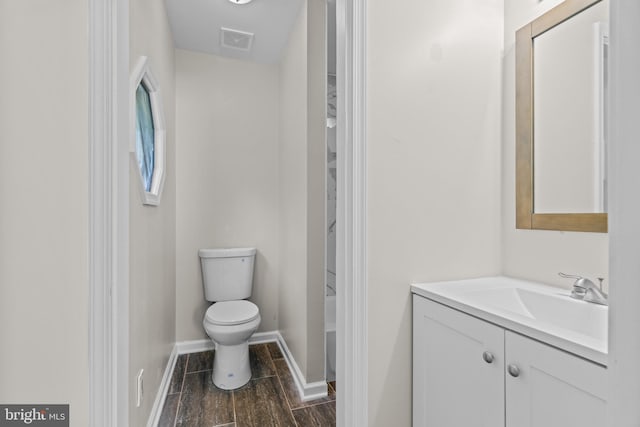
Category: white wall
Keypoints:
(316, 186)
(302, 183)
(44, 204)
(537, 254)
(433, 165)
(227, 177)
(293, 187)
(624, 316)
(152, 228)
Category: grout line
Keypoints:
(186, 362)
(233, 402)
(184, 375)
(260, 378)
(286, 398)
(196, 372)
(273, 365)
(175, 419)
(315, 404)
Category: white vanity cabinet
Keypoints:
(553, 388)
(471, 373)
(452, 384)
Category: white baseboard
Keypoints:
(158, 404)
(194, 346)
(264, 337)
(307, 391)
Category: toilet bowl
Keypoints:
(227, 276)
(230, 324)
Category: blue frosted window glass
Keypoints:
(144, 135)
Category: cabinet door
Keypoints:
(553, 388)
(453, 386)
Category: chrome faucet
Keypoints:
(584, 289)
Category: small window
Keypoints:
(147, 132)
(144, 135)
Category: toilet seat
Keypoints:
(227, 313)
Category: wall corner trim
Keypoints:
(307, 391)
(624, 225)
(108, 303)
(352, 366)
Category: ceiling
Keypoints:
(196, 25)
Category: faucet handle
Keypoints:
(569, 276)
(600, 280)
(581, 282)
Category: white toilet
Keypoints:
(227, 276)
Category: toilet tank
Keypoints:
(227, 274)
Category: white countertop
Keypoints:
(542, 312)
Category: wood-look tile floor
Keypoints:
(270, 399)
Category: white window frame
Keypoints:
(142, 74)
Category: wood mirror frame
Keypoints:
(526, 218)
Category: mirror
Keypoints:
(561, 115)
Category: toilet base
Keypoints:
(231, 368)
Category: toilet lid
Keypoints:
(232, 312)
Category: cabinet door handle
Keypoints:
(514, 371)
(487, 357)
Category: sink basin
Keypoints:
(557, 309)
(542, 312)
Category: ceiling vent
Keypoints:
(235, 39)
